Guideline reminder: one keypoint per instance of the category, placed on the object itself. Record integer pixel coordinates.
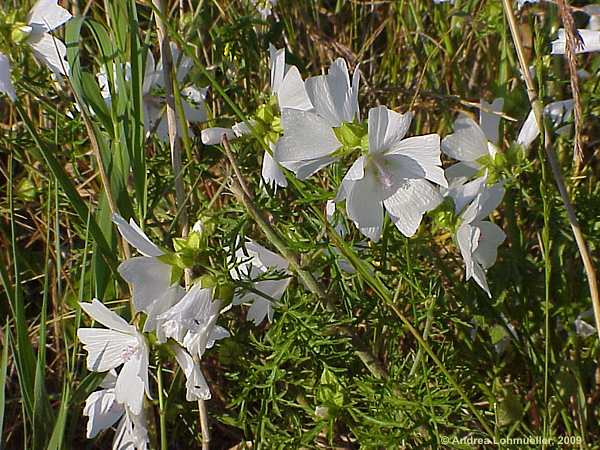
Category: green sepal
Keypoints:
(350, 134)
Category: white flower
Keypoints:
(558, 112)
(103, 411)
(149, 276)
(590, 42)
(44, 17)
(120, 344)
(252, 261)
(471, 142)
(193, 321)
(478, 239)
(153, 102)
(308, 139)
(288, 87)
(196, 386)
(394, 174)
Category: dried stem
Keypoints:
(573, 41)
(175, 145)
(537, 107)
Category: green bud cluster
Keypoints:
(267, 122)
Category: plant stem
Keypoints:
(366, 356)
(175, 145)
(537, 108)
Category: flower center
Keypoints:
(128, 352)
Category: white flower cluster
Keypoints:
(184, 320)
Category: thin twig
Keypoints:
(537, 107)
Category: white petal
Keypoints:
(490, 237)
(356, 172)
(214, 136)
(150, 279)
(483, 205)
(133, 234)
(107, 349)
(590, 38)
(262, 306)
(529, 131)
(467, 143)
(160, 306)
(264, 258)
(101, 314)
(152, 74)
(489, 121)
(194, 113)
(6, 85)
(129, 389)
(191, 312)
(102, 410)
(408, 205)
(424, 151)
(332, 95)
(387, 128)
(131, 433)
(196, 386)
(364, 205)
(354, 93)
(463, 194)
(271, 172)
(292, 93)
(305, 169)
(48, 15)
(461, 171)
(306, 137)
(51, 51)
(277, 63)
